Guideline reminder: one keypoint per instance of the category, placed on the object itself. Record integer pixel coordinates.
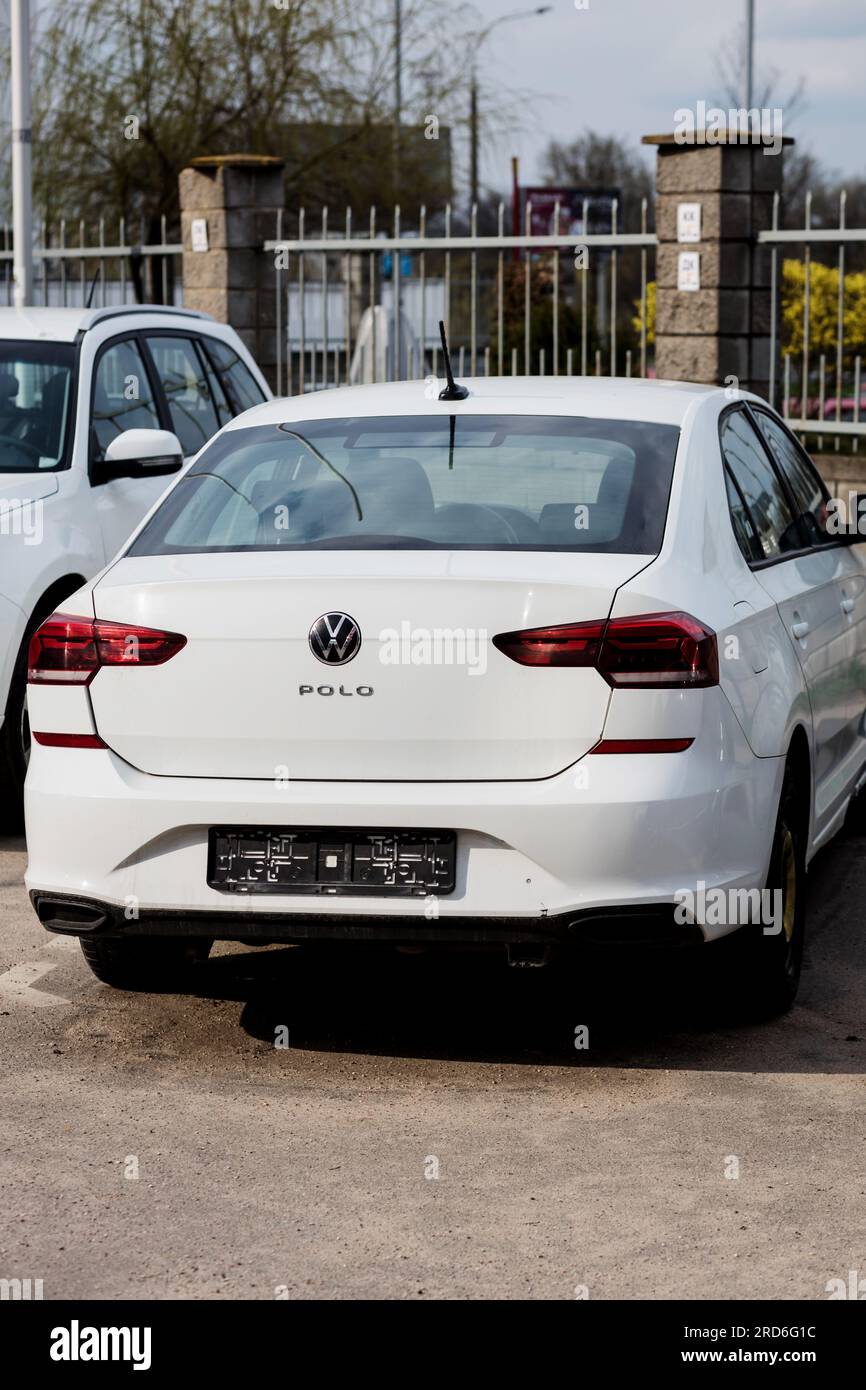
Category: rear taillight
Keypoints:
(642, 745)
(671, 650)
(69, 740)
(574, 644)
(70, 651)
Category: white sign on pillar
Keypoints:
(688, 221)
(198, 234)
(689, 270)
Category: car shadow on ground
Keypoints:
(591, 1012)
(667, 1010)
(675, 1010)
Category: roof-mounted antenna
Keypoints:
(93, 286)
(452, 391)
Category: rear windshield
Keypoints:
(447, 482)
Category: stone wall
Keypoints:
(231, 202)
(715, 327)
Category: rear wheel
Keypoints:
(144, 962)
(771, 961)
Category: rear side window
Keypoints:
(759, 487)
(235, 377)
(225, 409)
(448, 482)
(187, 391)
(747, 537)
(809, 492)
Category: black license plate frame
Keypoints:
(332, 861)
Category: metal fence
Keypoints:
(364, 304)
(805, 403)
(76, 264)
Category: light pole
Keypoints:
(398, 93)
(473, 89)
(748, 81)
(22, 192)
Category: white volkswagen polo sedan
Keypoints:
(563, 660)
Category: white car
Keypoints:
(563, 660)
(97, 408)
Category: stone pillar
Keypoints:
(229, 207)
(719, 328)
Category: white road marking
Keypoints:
(16, 985)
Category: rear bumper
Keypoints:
(608, 836)
(639, 926)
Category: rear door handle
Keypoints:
(799, 630)
(847, 605)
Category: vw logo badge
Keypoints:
(335, 638)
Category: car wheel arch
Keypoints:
(44, 606)
(56, 592)
(798, 763)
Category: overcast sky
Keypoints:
(624, 66)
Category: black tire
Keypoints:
(15, 746)
(855, 820)
(144, 962)
(771, 963)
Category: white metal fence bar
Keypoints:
(462, 243)
(809, 234)
(78, 253)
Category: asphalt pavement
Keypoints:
(326, 1123)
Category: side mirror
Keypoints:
(141, 454)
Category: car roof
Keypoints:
(64, 325)
(618, 398)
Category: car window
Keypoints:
(235, 375)
(760, 486)
(36, 389)
(225, 409)
(809, 492)
(193, 413)
(122, 396)
(476, 482)
(747, 537)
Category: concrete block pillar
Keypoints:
(229, 207)
(713, 283)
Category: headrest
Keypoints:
(323, 509)
(8, 386)
(395, 493)
(616, 482)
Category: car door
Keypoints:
(124, 395)
(802, 579)
(812, 498)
